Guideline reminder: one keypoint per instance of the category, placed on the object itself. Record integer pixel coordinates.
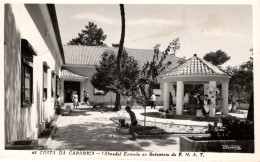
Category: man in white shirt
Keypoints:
(152, 100)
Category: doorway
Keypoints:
(69, 88)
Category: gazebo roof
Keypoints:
(68, 74)
(195, 66)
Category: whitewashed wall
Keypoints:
(25, 123)
(87, 86)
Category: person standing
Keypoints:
(75, 99)
(86, 98)
(198, 99)
(128, 101)
(206, 107)
(133, 122)
(152, 100)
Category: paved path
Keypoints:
(88, 130)
(85, 129)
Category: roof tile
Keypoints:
(195, 66)
(68, 74)
(91, 55)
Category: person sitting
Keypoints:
(133, 122)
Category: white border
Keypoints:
(209, 156)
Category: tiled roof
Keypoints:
(195, 66)
(68, 74)
(91, 55)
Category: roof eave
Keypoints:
(64, 77)
(53, 16)
(218, 78)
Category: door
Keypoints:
(69, 88)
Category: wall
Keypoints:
(12, 72)
(87, 86)
(25, 123)
(2, 80)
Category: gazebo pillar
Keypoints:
(212, 97)
(174, 97)
(166, 95)
(172, 90)
(179, 97)
(225, 98)
(206, 89)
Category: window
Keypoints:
(98, 92)
(52, 84)
(27, 82)
(27, 53)
(45, 77)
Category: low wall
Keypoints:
(240, 146)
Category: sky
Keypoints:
(200, 28)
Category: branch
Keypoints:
(112, 88)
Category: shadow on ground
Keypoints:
(77, 112)
(183, 117)
(100, 136)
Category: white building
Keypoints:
(33, 57)
(37, 69)
(80, 67)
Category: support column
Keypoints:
(225, 98)
(206, 86)
(179, 97)
(166, 95)
(212, 97)
(212, 91)
(85, 85)
(84, 89)
(172, 90)
(174, 96)
(62, 89)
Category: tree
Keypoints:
(120, 52)
(249, 65)
(241, 84)
(176, 44)
(151, 70)
(217, 58)
(250, 114)
(182, 60)
(241, 81)
(119, 83)
(91, 36)
(105, 72)
(107, 78)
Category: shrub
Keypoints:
(238, 129)
(232, 128)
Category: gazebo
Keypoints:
(196, 71)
